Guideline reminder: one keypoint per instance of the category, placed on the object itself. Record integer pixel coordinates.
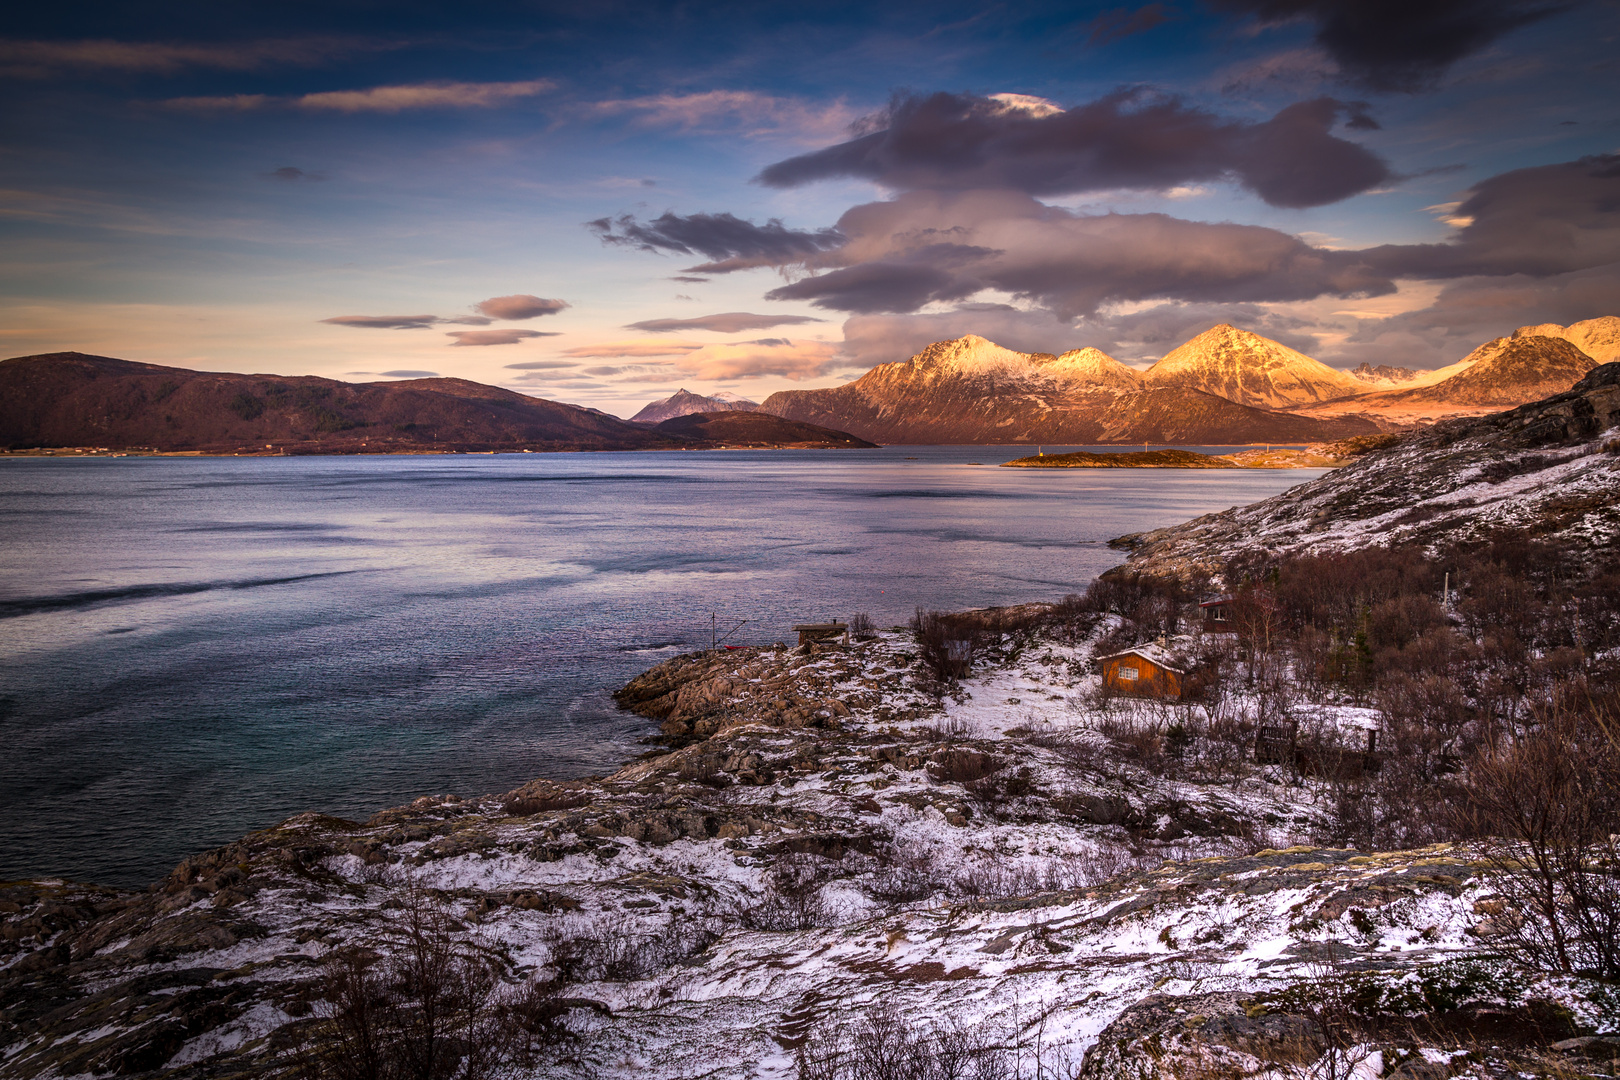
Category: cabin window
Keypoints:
(1217, 614)
(1127, 673)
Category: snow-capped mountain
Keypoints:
(1244, 367)
(1384, 375)
(973, 364)
(1598, 338)
(684, 403)
(971, 390)
(1509, 371)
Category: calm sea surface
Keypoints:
(192, 648)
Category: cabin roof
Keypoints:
(1224, 598)
(1157, 655)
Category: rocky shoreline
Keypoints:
(829, 830)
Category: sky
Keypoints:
(600, 203)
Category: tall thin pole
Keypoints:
(714, 629)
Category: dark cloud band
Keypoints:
(1401, 45)
(730, 242)
(1130, 139)
(729, 322)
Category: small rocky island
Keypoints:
(1126, 459)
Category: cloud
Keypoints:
(881, 339)
(1116, 23)
(752, 359)
(38, 59)
(493, 337)
(729, 241)
(740, 112)
(689, 280)
(406, 322)
(729, 322)
(928, 247)
(225, 103)
(408, 374)
(1129, 139)
(1472, 310)
(291, 175)
(384, 322)
(519, 306)
(1296, 71)
(1544, 220)
(1400, 45)
(543, 365)
(632, 348)
(432, 95)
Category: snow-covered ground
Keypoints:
(994, 857)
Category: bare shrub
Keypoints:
(860, 626)
(905, 876)
(621, 948)
(947, 729)
(1549, 803)
(946, 643)
(431, 1007)
(793, 898)
(886, 1045)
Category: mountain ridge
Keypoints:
(970, 390)
(683, 403)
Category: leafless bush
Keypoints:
(946, 643)
(793, 898)
(621, 948)
(904, 874)
(997, 880)
(1104, 862)
(860, 625)
(431, 1007)
(885, 1045)
(1549, 802)
(947, 729)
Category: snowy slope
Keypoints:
(1546, 467)
(1252, 370)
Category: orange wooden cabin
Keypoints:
(1145, 671)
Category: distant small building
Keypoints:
(1146, 671)
(811, 633)
(1216, 615)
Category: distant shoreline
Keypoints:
(105, 452)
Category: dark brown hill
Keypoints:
(758, 429)
(71, 399)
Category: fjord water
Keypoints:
(192, 648)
